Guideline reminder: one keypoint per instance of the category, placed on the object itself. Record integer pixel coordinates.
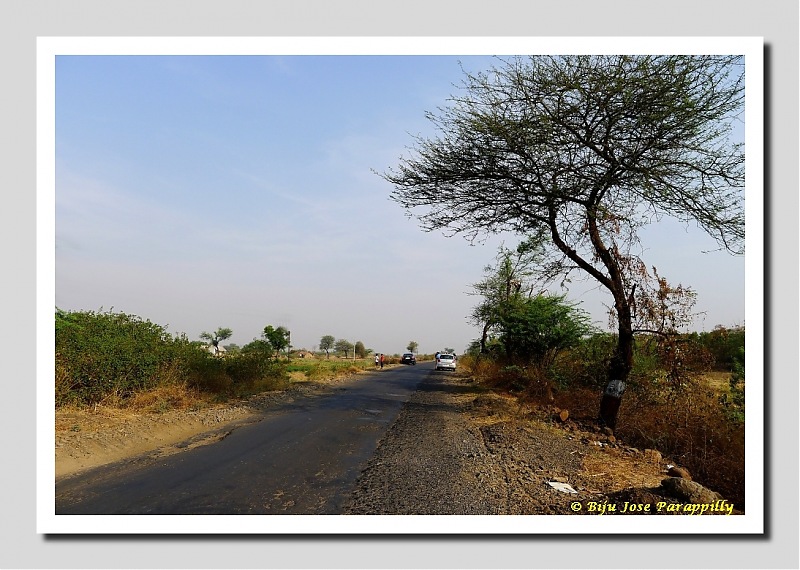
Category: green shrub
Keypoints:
(512, 378)
(248, 370)
(207, 373)
(733, 401)
(725, 345)
(106, 355)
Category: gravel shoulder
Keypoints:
(459, 449)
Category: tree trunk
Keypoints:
(622, 361)
(620, 366)
(484, 336)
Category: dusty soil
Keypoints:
(456, 448)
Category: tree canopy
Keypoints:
(344, 346)
(278, 338)
(513, 273)
(535, 329)
(552, 143)
(578, 153)
(222, 333)
(326, 343)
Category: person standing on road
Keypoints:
(377, 360)
(381, 361)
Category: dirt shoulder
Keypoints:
(459, 449)
(88, 439)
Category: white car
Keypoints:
(446, 362)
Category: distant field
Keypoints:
(718, 381)
(319, 367)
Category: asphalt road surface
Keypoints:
(301, 458)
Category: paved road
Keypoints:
(302, 458)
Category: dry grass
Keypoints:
(168, 397)
(619, 472)
(115, 410)
(717, 381)
(297, 376)
(72, 418)
(689, 426)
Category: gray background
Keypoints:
(22, 21)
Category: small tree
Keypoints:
(360, 350)
(412, 346)
(326, 344)
(511, 277)
(278, 338)
(216, 337)
(344, 346)
(534, 330)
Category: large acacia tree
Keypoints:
(579, 153)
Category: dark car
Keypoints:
(408, 358)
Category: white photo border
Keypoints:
(752, 522)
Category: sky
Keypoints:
(200, 192)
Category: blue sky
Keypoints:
(238, 191)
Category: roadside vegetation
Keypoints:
(685, 391)
(120, 360)
(117, 360)
(690, 408)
